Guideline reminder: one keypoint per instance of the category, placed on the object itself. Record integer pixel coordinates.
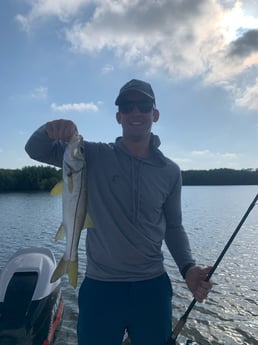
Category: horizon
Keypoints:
(44, 165)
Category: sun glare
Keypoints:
(234, 22)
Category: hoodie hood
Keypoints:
(155, 158)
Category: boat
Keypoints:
(31, 307)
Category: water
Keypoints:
(211, 214)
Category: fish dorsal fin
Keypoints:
(57, 189)
(60, 233)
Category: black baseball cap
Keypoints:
(136, 85)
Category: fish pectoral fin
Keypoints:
(60, 233)
(57, 189)
(88, 222)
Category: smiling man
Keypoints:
(134, 199)
(136, 113)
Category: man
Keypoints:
(134, 199)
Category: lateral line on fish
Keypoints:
(76, 211)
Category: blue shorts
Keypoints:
(107, 309)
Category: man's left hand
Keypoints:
(195, 280)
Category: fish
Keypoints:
(74, 208)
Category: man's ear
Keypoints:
(155, 115)
(118, 117)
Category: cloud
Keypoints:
(21, 132)
(79, 107)
(245, 45)
(229, 156)
(208, 153)
(40, 92)
(200, 153)
(249, 98)
(107, 69)
(165, 34)
(206, 158)
(182, 38)
(42, 9)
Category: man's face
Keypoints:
(136, 113)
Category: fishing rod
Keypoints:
(180, 324)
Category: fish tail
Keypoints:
(70, 267)
(60, 233)
(72, 271)
(60, 270)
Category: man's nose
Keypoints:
(135, 110)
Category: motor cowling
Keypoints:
(31, 307)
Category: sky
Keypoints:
(68, 59)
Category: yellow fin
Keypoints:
(88, 222)
(57, 189)
(72, 271)
(70, 267)
(60, 233)
(60, 270)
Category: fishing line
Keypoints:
(180, 324)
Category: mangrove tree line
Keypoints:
(34, 178)
(43, 178)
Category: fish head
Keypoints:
(73, 164)
(76, 147)
(74, 158)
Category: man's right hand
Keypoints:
(61, 130)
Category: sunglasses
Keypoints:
(143, 107)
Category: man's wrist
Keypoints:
(184, 270)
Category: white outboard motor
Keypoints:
(31, 307)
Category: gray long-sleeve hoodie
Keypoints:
(135, 204)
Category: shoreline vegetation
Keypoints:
(43, 178)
